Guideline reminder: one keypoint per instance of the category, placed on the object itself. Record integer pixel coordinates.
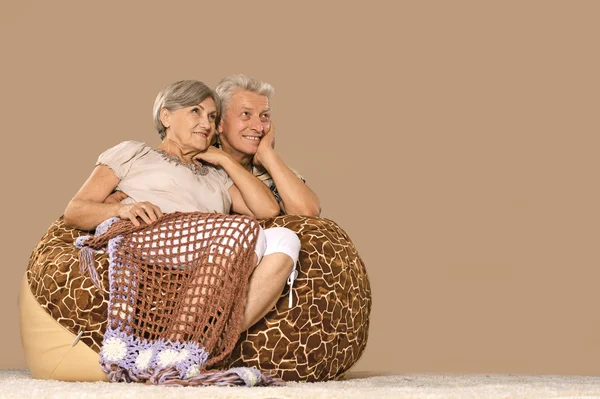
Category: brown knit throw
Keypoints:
(177, 294)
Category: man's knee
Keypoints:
(282, 240)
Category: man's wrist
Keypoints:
(269, 158)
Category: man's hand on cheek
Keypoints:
(266, 147)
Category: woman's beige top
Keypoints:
(149, 175)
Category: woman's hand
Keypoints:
(212, 155)
(146, 211)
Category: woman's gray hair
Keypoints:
(229, 85)
(181, 94)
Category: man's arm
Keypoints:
(116, 197)
(249, 195)
(296, 197)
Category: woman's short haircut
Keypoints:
(229, 85)
(181, 94)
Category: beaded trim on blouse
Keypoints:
(196, 169)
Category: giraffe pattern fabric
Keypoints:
(318, 339)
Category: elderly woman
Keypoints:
(185, 173)
(247, 134)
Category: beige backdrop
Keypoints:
(456, 142)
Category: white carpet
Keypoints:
(19, 384)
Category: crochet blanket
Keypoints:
(177, 294)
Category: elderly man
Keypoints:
(247, 134)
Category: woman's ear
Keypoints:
(164, 117)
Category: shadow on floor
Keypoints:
(353, 375)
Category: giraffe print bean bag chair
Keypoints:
(319, 338)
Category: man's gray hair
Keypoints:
(181, 94)
(229, 85)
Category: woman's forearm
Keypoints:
(86, 214)
(257, 196)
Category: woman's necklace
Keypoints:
(196, 169)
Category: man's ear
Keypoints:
(165, 117)
(220, 126)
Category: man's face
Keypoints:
(247, 120)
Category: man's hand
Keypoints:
(212, 155)
(116, 197)
(267, 143)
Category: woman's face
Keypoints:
(192, 127)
